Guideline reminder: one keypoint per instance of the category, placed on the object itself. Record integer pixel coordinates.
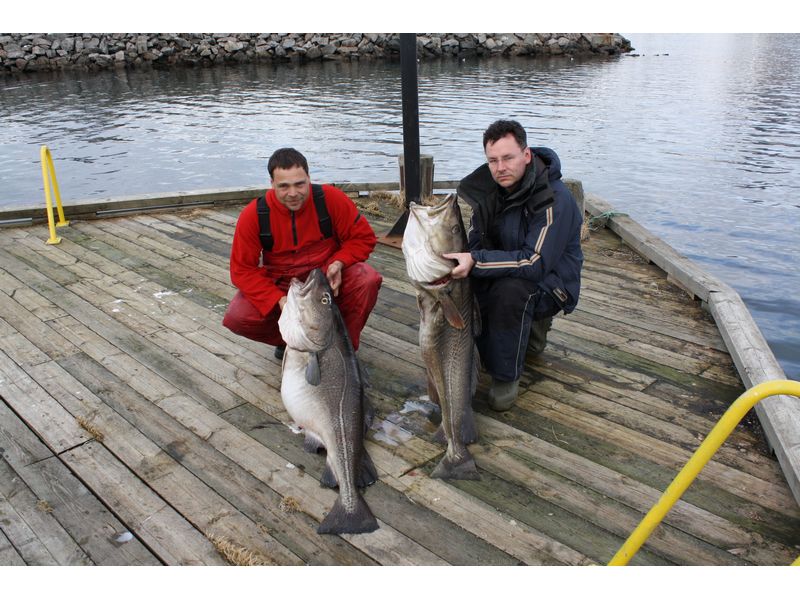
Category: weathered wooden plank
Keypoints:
(589, 324)
(149, 355)
(107, 258)
(633, 417)
(52, 424)
(83, 515)
(237, 505)
(515, 538)
(779, 415)
(427, 528)
(189, 273)
(386, 546)
(613, 485)
(116, 419)
(748, 487)
(146, 514)
(643, 468)
(8, 554)
(604, 514)
(34, 533)
(599, 308)
(692, 411)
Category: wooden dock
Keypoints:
(136, 430)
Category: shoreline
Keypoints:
(31, 52)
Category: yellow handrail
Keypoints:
(702, 455)
(49, 168)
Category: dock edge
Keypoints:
(779, 415)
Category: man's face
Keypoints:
(507, 161)
(291, 186)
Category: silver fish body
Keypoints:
(322, 390)
(449, 322)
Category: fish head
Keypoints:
(434, 228)
(307, 319)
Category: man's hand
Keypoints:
(464, 266)
(282, 302)
(334, 275)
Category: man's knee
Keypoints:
(238, 314)
(361, 276)
(244, 319)
(510, 294)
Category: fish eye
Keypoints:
(326, 298)
(456, 228)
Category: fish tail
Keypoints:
(338, 520)
(367, 474)
(328, 477)
(461, 466)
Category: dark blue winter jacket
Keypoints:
(533, 233)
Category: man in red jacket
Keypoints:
(299, 238)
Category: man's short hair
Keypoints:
(500, 129)
(286, 158)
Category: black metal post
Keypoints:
(408, 77)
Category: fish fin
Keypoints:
(477, 323)
(367, 474)
(451, 313)
(368, 411)
(433, 393)
(476, 367)
(469, 431)
(338, 520)
(312, 443)
(313, 375)
(439, 436)
(463, 468)
(362, 374)
(328, 478)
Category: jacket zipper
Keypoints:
(294, 229)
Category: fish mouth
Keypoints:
(438, 283)
(423, 266)
(304, 288)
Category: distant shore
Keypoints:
(27, 52)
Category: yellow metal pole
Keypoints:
(49, 169)
(57, 192)
(702, 455)
(45, 155)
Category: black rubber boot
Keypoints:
(279, 350)
(503, 394)
(538, 339)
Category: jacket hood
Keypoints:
(480, 184)
(550, 159)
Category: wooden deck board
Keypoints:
(123, 398)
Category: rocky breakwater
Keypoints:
(21, 52)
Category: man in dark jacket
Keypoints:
(524, 254)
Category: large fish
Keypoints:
(448, 323)
(322, 391)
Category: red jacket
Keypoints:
(264, 285)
